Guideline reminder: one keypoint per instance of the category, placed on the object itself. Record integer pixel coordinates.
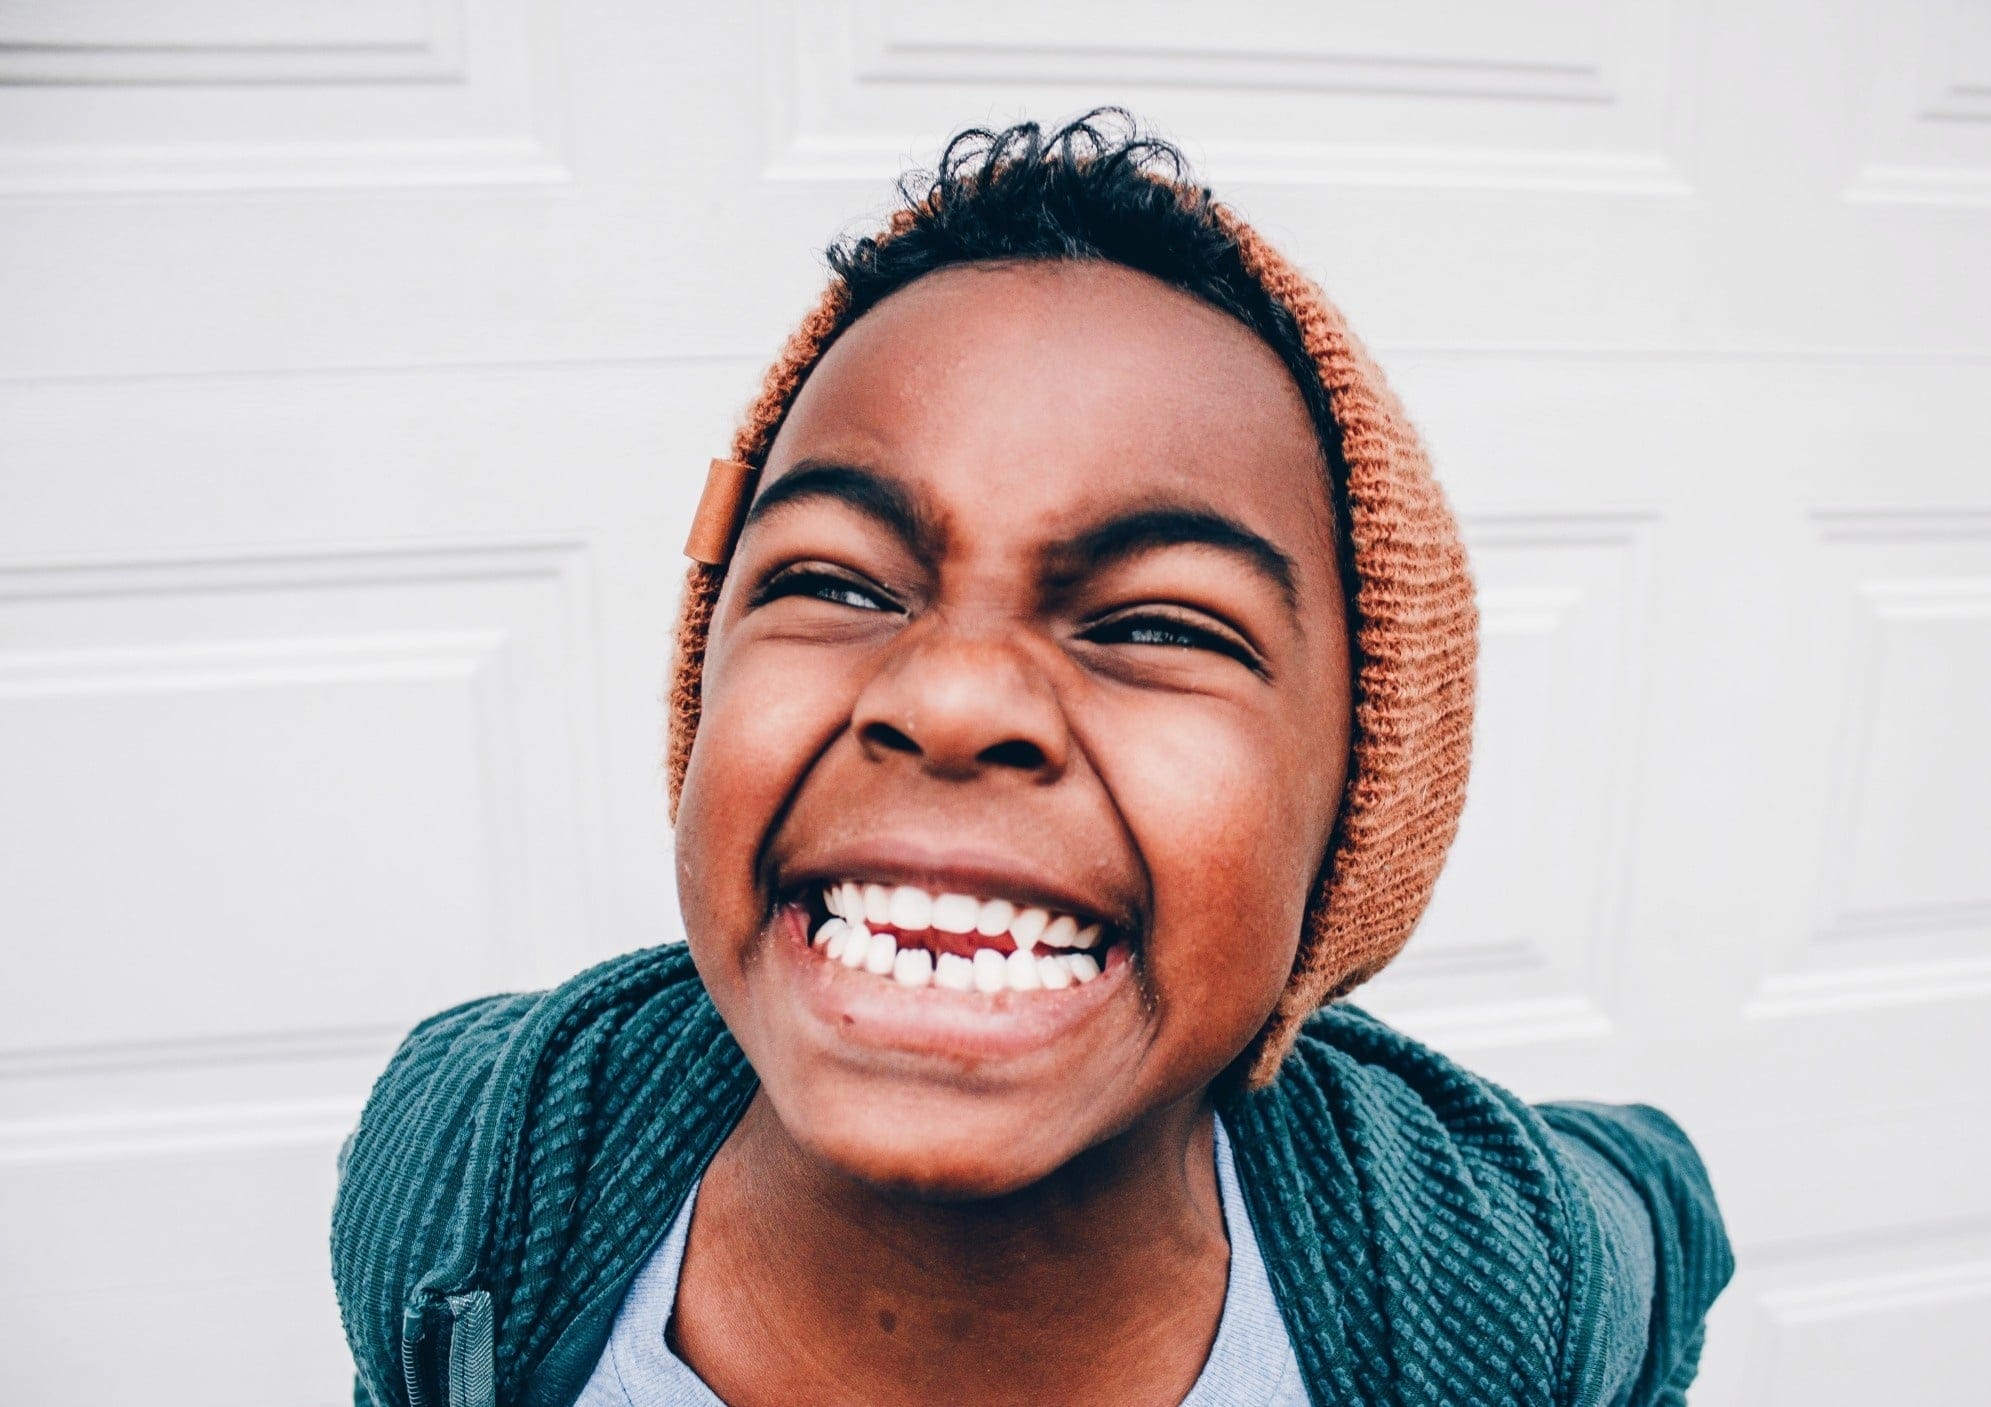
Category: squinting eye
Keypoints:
(1168, 632)
(822, 586)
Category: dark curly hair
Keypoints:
(1097, 188)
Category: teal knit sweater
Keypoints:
(1431, 1239)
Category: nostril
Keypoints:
(884, 735)
(1016, 752)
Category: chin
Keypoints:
(924, 1090)
(938, 1148)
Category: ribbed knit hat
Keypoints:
(1416, 636)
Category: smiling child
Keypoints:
(1072, 705)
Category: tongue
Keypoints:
(936, 942)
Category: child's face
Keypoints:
(1037, 605)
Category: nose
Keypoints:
(963, 705)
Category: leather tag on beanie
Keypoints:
(729, 485)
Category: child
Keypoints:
(1072, 703)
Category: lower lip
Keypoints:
(865, 1009)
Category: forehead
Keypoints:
(1038, 394)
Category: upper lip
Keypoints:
(952, 869)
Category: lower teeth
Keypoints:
(988, 971)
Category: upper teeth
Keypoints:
(856, 908)
(911, 910)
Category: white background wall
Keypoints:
(358, 362)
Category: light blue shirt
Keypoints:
(1251, 1364)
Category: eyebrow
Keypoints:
(1172, 525)
(876, 497)
(1127, 535)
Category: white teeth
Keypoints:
(1027, 926)
(913, 967)
(912, 909)
(1050, 949)
(954, 972)
(956, 913)
(991, 970)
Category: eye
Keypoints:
(820, 585)
(1150, 627)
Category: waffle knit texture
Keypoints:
(1416, 636)
(1431, 1240)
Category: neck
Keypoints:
(1103, 1282)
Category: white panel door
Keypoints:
(357, 365)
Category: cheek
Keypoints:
(765, 713)
(1227, 812)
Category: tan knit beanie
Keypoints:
(1416, 633)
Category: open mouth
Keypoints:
(957, 942)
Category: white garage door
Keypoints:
(358, 361)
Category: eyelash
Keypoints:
(1151, 628)
(824, 586)
(1129, 629)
